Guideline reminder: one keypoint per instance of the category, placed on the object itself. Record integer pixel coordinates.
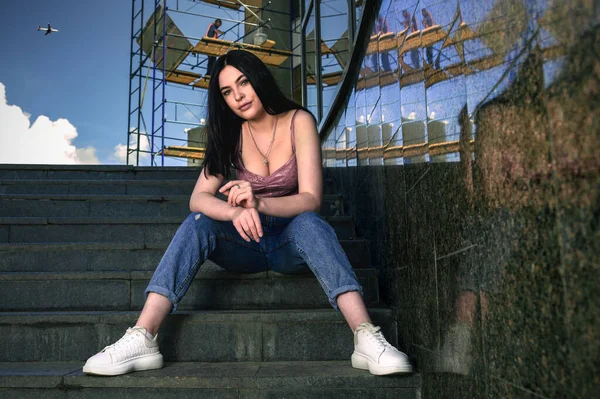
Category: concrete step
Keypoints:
(251, 380)
(63, 205)
(329, 187)
(213, 288)
(113, 229)
(197, 336)
(81, 256)
(96, 172)
(98, 186)
(73, 205)
(111, 187)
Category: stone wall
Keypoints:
(491, 263)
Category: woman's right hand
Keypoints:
(247, 223)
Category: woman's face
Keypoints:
(239, 93)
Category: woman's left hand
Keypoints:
(239, 193)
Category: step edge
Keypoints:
(135, 275)
(102, 246)
(79, 220)
(184, 375)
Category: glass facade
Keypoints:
(466, 149)
(426, 62)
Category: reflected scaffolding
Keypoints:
(429, 66)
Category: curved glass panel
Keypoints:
(309, 64)
(335, 47)
(491, 109)
(430, 65)
(360, 6)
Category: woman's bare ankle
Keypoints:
(353, 308)
(155, 310)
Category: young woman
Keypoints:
(269, 220)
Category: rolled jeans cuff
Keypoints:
(157, 289)
(342, 290)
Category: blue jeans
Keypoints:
(289, 245)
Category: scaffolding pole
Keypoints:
(148, 65)
(134, 123)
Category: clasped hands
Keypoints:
(245, 217)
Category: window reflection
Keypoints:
(505, 83)
(335, 50)
(309, 64)
(360, 6)
(428, 60)
(391, 134)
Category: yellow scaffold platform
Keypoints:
(395, 151)
(232, 4)
(217, 47)
(408, 75)
(184, 152)
(187, 78)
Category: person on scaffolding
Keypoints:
(381, 28)
(410, 24)
(428, 23)
(268, 219)
(213, 32)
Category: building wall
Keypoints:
(196, 137)
(479, 192)
(277, 14)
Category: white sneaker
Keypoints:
(372, 352)
(136, 350)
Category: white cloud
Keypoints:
(43, 142)
(120, 150)
(87, 155)
(120, 153)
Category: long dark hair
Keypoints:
(223, 125)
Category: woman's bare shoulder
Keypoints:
(303, 119)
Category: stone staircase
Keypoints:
(78, 245)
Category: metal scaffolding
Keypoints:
(164, 62)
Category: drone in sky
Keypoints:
(48, 29)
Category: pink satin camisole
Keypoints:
(280, 183)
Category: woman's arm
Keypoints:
(246, 221)
(203, 198)
(310, 174)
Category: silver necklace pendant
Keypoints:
(265, 160)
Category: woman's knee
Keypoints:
(308, 219)
(309, 224)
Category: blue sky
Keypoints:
(76, 81)
(79, 74)
(64, 97)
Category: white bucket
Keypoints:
(260, 38)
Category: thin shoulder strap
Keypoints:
(292, 130)
(239, 164)
(240, 142)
